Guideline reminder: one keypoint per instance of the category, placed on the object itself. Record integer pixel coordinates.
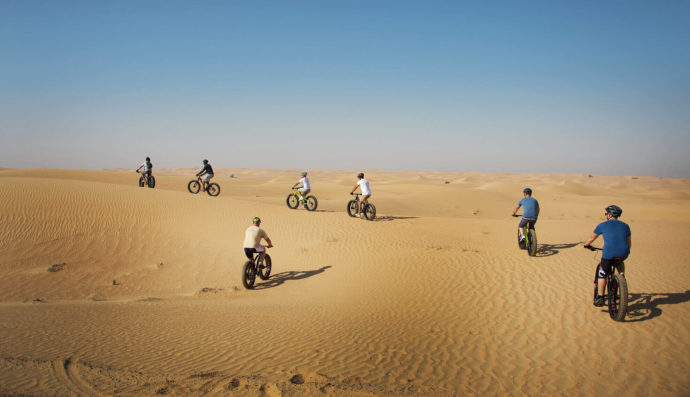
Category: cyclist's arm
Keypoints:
(355, 188)
(591, 239)
(295, 185)
(202, 172)
(516, 209)
(268, 240)
(538, 209)
(629, 243)
(139, 168)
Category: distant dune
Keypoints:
(112, 289)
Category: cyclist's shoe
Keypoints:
(357, 215)
(599, 301)
(522, 238)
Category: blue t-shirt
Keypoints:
(529, 206)
(615, 235)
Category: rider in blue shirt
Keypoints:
(530, 211)
(617, 244)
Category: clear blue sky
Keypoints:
(518, 86)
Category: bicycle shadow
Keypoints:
(392, 218)
(280, 278)
(645, 306)
(553, 249)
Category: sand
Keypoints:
(432, 298)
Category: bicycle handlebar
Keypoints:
(517, 215)
(589, 247)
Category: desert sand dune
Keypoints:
(112, 289)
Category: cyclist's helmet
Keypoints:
(360, 175)
(614, 210)
(205, 161)
(527, 190)
(148, 159)
(256, 220)
(304, 174)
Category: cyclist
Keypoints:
(363, 184)
(252, 240)
(306, 188)
(530, 211)
(147, 166)
(617, 245)
(208, 171)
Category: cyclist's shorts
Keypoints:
(146, 172)
(606, 267)
(304, 191)
(524, 221)
(249, 252)
(365, 197)
(207, 177)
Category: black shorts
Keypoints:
(606, 267)
(249, 252)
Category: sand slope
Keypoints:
(433, 298)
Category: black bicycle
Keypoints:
(368, 208)
(147, 179)
(213, 189)
(615, 288)
(256, 266)
(530, 241)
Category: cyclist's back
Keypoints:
(615, 235)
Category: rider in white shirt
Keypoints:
(147, 166)
(363, 184)
(306, 188)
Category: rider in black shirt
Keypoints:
(208, 171)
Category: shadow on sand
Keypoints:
(392, 218)
(645, 306)
(553, 249)
(280, 278)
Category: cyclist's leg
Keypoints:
(521, 226)
(364, 200)
(249, 253)
(262, 252)
(604, 269)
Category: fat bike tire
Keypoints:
(311, 203)
(265, 272)
(618, 297)
(369, 211)
(532, 248)
(152, 182)
(248, 275)
(352, 207)
(141, 181)
(213, 189)
(292, 201)
(194, 186)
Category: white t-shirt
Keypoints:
(364, 185)
(145, 166)
(305, 183)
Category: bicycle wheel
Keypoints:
(532, 248)
(312, 203)
(352, 207)
(193, 186)
(213, 189)
(248, 275)
(617, 297)
(292, 201)
(152, 182)
(141, 181)
(265, 272)
(369, 211)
